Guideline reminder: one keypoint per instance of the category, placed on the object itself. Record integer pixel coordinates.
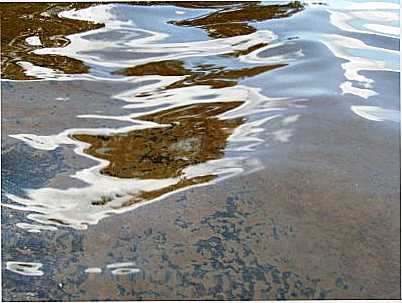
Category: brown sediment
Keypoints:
(230, 22)
(204, 4)
(103, 201)
(229, 30)
(248, 50)
(22, 20)
(58, 221)
(214, 76)
(161, 68)
(219, 78)
(195, 135)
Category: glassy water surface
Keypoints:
(242, 133)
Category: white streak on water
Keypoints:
(25, 268)
(384, 29)
(121, 264)
(123, 268)
(376, 113)
(342, 46)
(373, 18)
(93, 270)
(125, 271)
(35, 228)
(137, 41)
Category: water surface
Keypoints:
(200, 150)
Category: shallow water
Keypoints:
(210, 150)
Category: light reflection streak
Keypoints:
(359, 18)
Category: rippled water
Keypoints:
(192, 121)
(127, 104)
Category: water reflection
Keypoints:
(192, 119)
(235, 21)
(211, 75)
(174, 96)
(91, 40)
(26, 27)
(376, 113)
(376, 18)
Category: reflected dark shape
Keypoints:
(219, 78)
(233, 21)
(22, 20)
(204, 4)
(195, 135)
(206, 74)
(160, 68)
(249, 50)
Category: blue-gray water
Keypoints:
(201, 151)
